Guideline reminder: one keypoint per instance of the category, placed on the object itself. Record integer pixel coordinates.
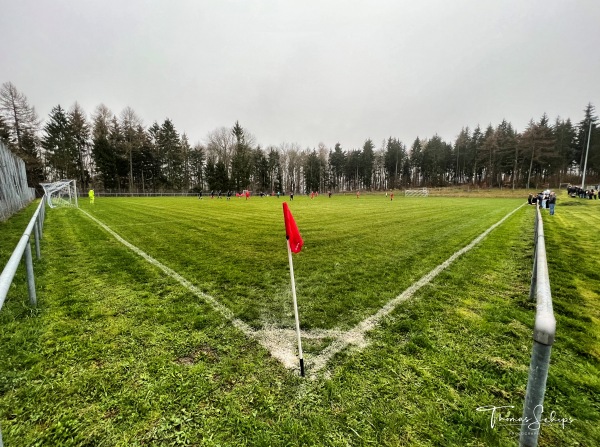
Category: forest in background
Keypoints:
(117, 153)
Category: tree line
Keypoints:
(117, 153)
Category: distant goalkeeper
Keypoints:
(91, 195)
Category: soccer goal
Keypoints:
(61, 193)
(423, 192)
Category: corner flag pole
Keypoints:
(296, 309)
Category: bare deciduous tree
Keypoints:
(17, 113)
(129, 124)
(220, 145)
(22, 125)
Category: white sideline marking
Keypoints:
(280, 342)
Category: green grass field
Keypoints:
(120, 353)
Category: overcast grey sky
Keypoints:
(308, 71)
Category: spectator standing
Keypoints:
(552, 202)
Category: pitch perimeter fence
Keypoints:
(544, 331)
(23, 247)
(14, 192)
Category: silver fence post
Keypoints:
(41, 217)
(534, 398)
(544, 332)
(30, 277)
(36, 229)
(39, 223)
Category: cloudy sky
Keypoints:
(308, 71)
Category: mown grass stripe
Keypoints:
(247, 330)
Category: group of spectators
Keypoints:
(219, 194)
(545, 199)
(578, 191)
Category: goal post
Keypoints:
(422, 192)
(61, 193)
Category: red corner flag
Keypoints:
(291, 230)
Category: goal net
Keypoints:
(61, 193)
(423, 192)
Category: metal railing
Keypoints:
(544, 332)
(24, 247)
(36, 225)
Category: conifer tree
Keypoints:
(337, 163)
(170, 145)
(416, 161)
(58, 141)
(80, 133)
(103, 155)
(366, 169)
(565, 142)
(241, 161)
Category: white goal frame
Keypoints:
(61, 193)
(423, 192)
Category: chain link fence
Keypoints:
(14, 192)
